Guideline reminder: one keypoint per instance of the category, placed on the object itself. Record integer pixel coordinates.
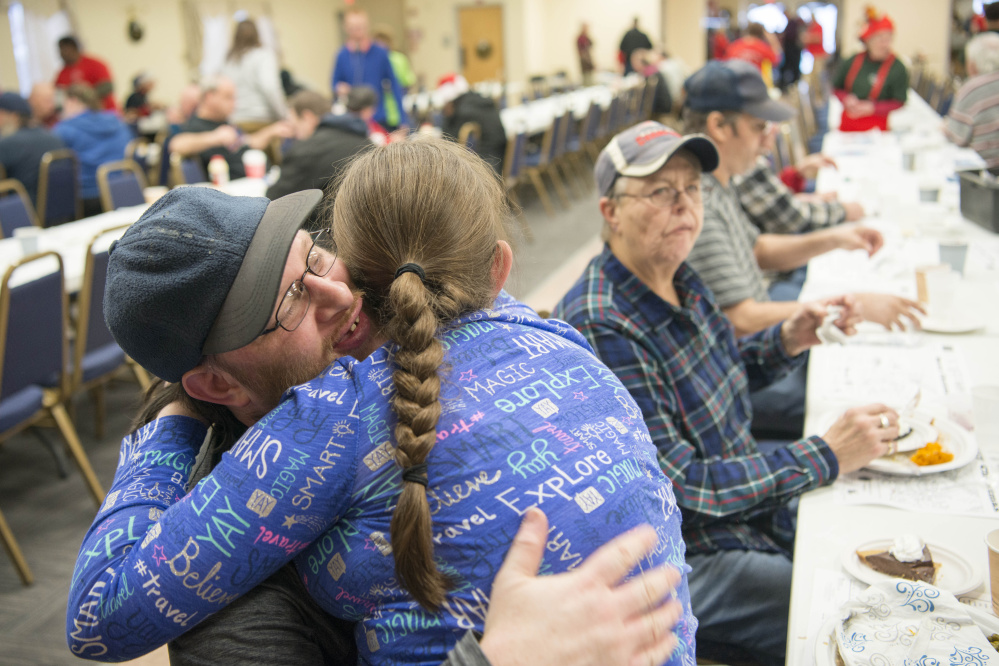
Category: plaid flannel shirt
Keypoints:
(772, 206)
(691, 378)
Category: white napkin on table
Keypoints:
(904, 623)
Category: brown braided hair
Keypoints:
(433, 203)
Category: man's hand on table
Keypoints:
(855, 237)
(862, 434)
(810, 164)
(586, 617)
(888, 310)
(799, 332)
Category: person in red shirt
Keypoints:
(756, 47)
(80, 68)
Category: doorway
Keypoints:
(480, 32)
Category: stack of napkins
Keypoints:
(904, 623)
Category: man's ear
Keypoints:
(715, 126)
(608, 208)
(216, 386)
(502, 264)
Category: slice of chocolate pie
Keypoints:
(908, 558)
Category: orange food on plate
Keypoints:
(931, 454)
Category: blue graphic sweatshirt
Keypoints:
(530, 417)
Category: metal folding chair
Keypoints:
(120, 184)
(15, 208)
(59, 188)
(186, 170)
(33, 379)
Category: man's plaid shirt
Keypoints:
(691, 378)
(774, 209)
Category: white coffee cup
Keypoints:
(29, 238)
(255, 163)
(941, 292)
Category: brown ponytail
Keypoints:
(435, 204)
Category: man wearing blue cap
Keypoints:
(728, 102)
(200, 275)
(22, 144)
(649, 317)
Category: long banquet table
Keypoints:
(952, 509)
(71, 240)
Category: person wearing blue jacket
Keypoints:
(96, 136)
(361, 61)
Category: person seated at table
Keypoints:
(873, 83)
(22, 144)
(95, 135)
(459, 105)
(182, 111)
(973, 119)
(208, 132)
(653, 321)
(774, 207)
(728, 101)
(44, 109)
(324, 142)
(759, 47)
(346, 474)
(138, 104)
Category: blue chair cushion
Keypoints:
(20, 406)
(532, 159)
(572, 145)
(101, 361)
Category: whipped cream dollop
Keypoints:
(907, 548)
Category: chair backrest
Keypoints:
(513, 162)
(469, 135)
(137, 150)
(649, 97)
(561, 134)
(91, 331)
(3, 173)
(186, 170)
(15, 208)
(590, 126)
(32, 328)
(120, 184)
(59, 188)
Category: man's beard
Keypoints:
(269, 381)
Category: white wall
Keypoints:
(685, 37)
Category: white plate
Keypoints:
(954, 440)
(966, 324)
(955, 574)
(826, 652)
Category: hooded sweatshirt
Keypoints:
(97, 138)
(311, 163)
(473, 107)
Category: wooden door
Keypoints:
(481, 42)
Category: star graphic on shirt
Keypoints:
(506, 327)
(467, 376)
(159, 555)
(105, 526)
(290, 521)
(579, 395)
(369, 544)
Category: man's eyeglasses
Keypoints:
(667, 197)
(295, 302)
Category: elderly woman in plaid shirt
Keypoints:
(655, 324)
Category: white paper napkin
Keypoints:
(905, 623)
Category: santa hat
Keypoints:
(449, 88)
(875, 24)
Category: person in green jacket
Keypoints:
(394, 113)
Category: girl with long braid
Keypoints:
(396, 481)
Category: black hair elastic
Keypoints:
(412, 268)
(416, 474)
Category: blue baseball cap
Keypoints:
(14, 103)
(643, 149)
(733, 85)
(199, 274)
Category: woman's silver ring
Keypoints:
(884, 420)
